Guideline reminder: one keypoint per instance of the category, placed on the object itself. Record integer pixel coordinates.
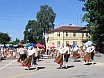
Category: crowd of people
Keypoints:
(7, 53)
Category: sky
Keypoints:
(15, 14)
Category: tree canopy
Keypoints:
(15, 42)
(4, 38)
(32, 31)
(94, 16)
(45, 18)
(36, 29)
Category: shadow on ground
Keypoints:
(65, 67)
(77, 60)
(90, 64)
(35, 68)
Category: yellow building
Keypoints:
(66, 35)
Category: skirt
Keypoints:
(27, 62)
(59, 59)
(76, 55)
(87, 57)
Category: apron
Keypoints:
(59, 59)
(87, 57)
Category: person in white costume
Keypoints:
(63, 56)
(89, 54)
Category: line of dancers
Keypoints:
(29, 58)
(65, 53)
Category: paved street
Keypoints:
(48, 69)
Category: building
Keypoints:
(67, 35)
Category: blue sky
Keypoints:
(14, 14)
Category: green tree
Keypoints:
(32, 33)
(4, 38)
(35, 30)
(94, 16)
(45, 18)
(23, 41)
(16, 41)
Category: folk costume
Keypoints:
(67, 54)
(59, 59)
(22, 52)
(32, 57)
(63, 56)
(76, 55)
(27, 62)
(35, 57)
(89, 54)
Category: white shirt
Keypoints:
(63, 50)
(90, 49)
(35, 50)
(75, 48)
(30, 52)
(21, 51)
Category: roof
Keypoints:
(66, 28)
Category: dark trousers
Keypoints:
(23, 57)
(34, 61)
(92, 56)
(66, 57)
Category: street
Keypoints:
(48, 69)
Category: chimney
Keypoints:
(70, 24)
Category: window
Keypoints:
(58, 44)
(67, 42)
(58, 34)
(74, 34)
(66, 34)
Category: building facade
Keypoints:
(67, 35)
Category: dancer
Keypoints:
(59, 59)
(35, 57)
(76, 55)
(67, 54)
(22, 53)
(27, 62)
(63, 56)
(32, 58)
(89, 54)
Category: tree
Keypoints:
(16, 41)
(32, 32)
(35, 30)
(94, 16)
(4, 38)
(45, 18)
